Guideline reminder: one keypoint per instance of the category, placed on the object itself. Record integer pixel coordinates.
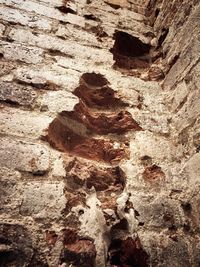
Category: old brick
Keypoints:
(7, 66)
(153, 173)
(17, 94)
(22, 123)
(10, 191)
(14, 51)
(2, 29)
(27, 19)
(24, 156)
(192, 168)
(65, 46)
(44, 200)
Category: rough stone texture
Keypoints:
(99, 133)
(16, 94)
(24, 156)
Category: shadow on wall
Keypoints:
(129, 52)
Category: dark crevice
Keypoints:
(129, 52)
(8, 39)
(162, 37)
(56, 52)
(114, 6)
(94, 79)
(157, 12)
(130, 46)
(127, 253)
(10, 102)
(66, 10)
(46, 85)
(122, 225)
(91, 17)
(99, 32)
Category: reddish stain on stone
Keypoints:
(82, 173)
(64, 139)
(103, 123)
(128, 253)
(80, 251)
(51, 237)
(153, 173)
(101, 98)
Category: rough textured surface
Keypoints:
(99, 133)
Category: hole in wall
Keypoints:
(66, 10)
(103, 123)
(91, 17)
(187, 207)
(93, 80)
(157, 12)
(163, 36)
(122, 225)
(61, 137)
(128, 45)
(129, 52)
(71, 130)
(128, 252)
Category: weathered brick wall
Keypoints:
(99, 133)
(181, 62)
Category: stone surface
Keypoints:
(14, 51)
(24, 156)
(43, 200)
(21, 123)
(17, 94)
(99, 133)
(10, 190)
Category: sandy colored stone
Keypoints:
(44, 200)
(24, 156)
(58, 209)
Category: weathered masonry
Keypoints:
(99, 133)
